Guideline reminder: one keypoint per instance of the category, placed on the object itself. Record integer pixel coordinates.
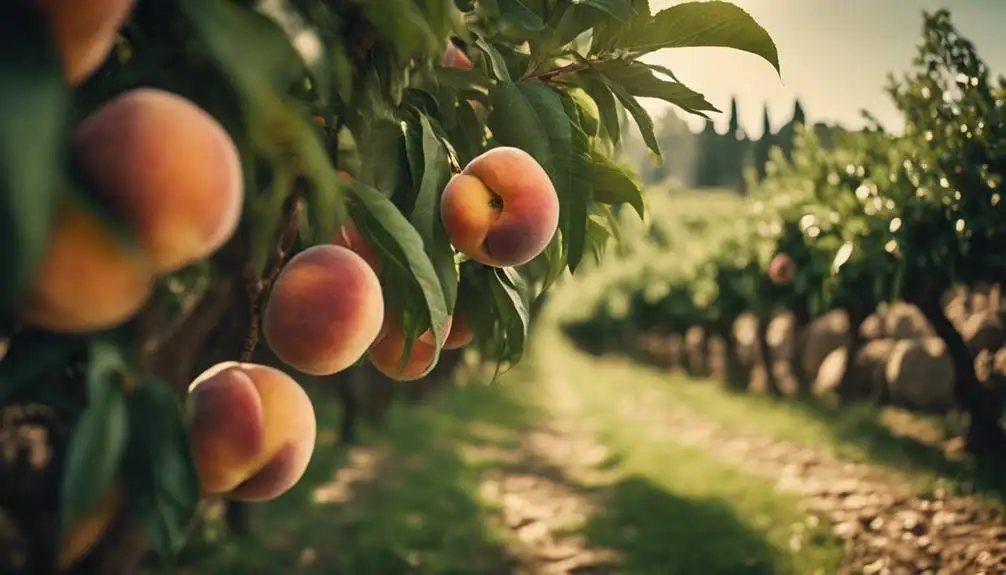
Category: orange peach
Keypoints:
(349, 237)
(252, 429)
(502, 210)
(781, 269)
(88, 281)
(325, 309)
(387, 352)
(455, 57)
(169, 168)
(460, 333)
(84, 32)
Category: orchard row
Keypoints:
(873, 218)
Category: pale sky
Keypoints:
(834, 54)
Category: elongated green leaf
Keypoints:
(638, 79)
(709, 23)
(639, 114)
(581, 185)
(99, 437)
(606, 108)
(496, 60)
(613, 186)
(34, 103)
(159, 469)
(400, 243)
(426, 212)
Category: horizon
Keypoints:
(811, 37)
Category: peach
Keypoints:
(387, 352)
(81, 537)
(252, 429)
(84, 31)
(169, 168)
(349, 237)
(88, 281)
(460, 333)
(781, 269)
(325, 309)
(455, 57)
(502, 209)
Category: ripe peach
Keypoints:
(169, 168)
(455, 57)
(502, 210)
(350, 237)
(84, 31)
(781, 269)
(460, 333)
(252, 430)
(87, 281)
(387, 352)
(326, 308)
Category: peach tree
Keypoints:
(347, 180)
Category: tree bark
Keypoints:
(857, 315)
(735, 376)
(801, 321)
(765, 355)
(985, 434)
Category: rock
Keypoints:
(867, 376)
(905, 321)
(984, 331)
(780, 335)
(920, 375)
(824, 335)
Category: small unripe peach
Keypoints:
(84, 31)
(781, 269)
(169, 168)
(325, 310)
(252, 430)
(460, 333)
(502, 210)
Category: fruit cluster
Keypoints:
(170, 172)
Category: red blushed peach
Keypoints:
(252, 430)
(87, 281)
(781, 269)
(325, 310)
(350, 237)
(455, 57)
(169, 168)
(387, 352)
(84, 31)
(502, 210)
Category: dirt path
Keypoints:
(886, 528)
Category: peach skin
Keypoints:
(252, 430)
(325, 310)
(455, 57)
(349, 237)
(387, 352)
(502, 209)
(84, 31)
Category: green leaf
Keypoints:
(580, 186)
(468, 135)
(496, 60)
(512, 308)
(400, 243)
(693, 24)
(519, 13)
(639, 114)
(638, 79)
(384, 161)
(99, 437)
(607, 110)
(613, 186)
(34, 104)
(426, 212)
(159, 469)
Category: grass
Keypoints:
(416, 507)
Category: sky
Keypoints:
(834, 54)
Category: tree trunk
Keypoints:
(801, 320)
(985, 434)
(734, 374)
(765, 355)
